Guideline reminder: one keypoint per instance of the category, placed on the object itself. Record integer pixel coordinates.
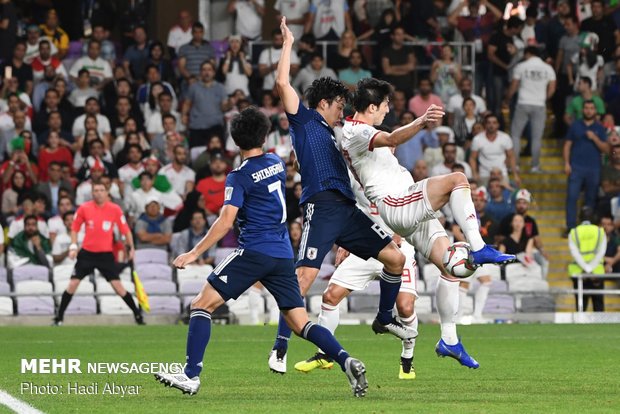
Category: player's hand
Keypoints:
(341, 254)
(286, 32)
(183, 260)
(591, 135)
(73, 254)
(396, 238)
(433, 115)
(131, 253)
(567, 169)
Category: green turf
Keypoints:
(524, 369)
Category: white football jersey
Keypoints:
(370, 209)
(376, 169)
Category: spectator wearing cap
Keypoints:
(191, 236)
(534, 80)
(152, 229)
(52, 30)
(585, 142)
(44, 60)
(499, 204)
(205, 105)
(99, 69)
(433, 153)
(21, 70)
(33, 38)
(523, 200)
(212, 188)
(179, 174)
(604, 27)
(180, 34)
(236, 67)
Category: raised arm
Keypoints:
(287, 93)
(433, 116)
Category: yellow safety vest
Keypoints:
(587, 238)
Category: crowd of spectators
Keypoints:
(149, 117)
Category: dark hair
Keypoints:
(589, 101)
(532, 11)
(92, 98)
(587, 80)
(53, 91)
(149, 67)
(31, 217)
(276, 32)
(151, 99)
(489, 116)
(469, 98)
(54, 163)
(316, 55)
(94, 41)
(153, 46)
(67, 214)
(308, 38)
(370, 91)
(201, 212)
(532, 50)
(514, 22)
(164, 93)
(458, 166)
(448, 144)
(45, 41)
(83, 71)
(197, 26)
(250, 128)
(165, 116)
(325, 88)
(138, 147)
(145, 174)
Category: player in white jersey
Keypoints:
(404, 204)
(355, 274)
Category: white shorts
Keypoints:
(355, 273)
(425, 234)
(404, 212)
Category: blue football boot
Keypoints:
(489, 255)
(457, 352)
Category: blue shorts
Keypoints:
(342, 223)
(242, 268)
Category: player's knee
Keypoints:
(404, 308)
(305, 277)
(458, 178)
(334, 294)
(202, 302)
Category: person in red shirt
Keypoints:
(99, 216)
(212, 188)
(19, 162)
(53, 152)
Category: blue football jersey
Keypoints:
(322, 166)
(257, 188)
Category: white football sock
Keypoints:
(409, 344)
(256, 304)
(447, 297)
(462, 300)
(480, 298)
(329, 317)
(274, 311)
(465, 216)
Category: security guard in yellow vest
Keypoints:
(588, 244)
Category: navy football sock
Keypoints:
(322, 338)
(284, 334)
(390, 285)
(197, 340)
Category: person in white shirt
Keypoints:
(449, 151)
(455, 104)
(55, 224)
(62, 243)
(99, 69)
(269, 58)
(180, 34)
(103, 124)
(296, 12)
(249, 21)
(137, 202)
(180, 175)
(535, 81)
(492, 148)
(314, 70)
(132, 169)
(33, 38)
(154, 122)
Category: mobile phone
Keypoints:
(8, 72)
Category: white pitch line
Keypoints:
(17, 405)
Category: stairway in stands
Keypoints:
(548, 208)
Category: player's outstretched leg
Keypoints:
(454, 189)
(405, 305)
(198, 336)
(321, 337)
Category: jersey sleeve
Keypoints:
(302, 116)
(364, 137)
(237, 187)
(78, 220)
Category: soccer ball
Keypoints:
(457, 260)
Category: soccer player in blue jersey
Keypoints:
(330, 214)
(254, 196)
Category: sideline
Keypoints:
(16, 404)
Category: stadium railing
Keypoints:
(580, 291)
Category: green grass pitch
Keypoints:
(524, 369)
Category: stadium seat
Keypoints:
(150, 256)
(160, 286)
(154, 271)
(165, 305)
(222, 253)
(423, 305)
(189, 289)
(61, 274)
(6, 306)
(82, 305)
(499, 303)
(196, 151)
(194, 272)
(363, 303)
(41, 304)
(103, 286)
(114, 305)
(30, 272)
(492, 270)
(314, 305)
(85, 286)
(538, 303)
(496, 286)
(517, 270)
(241, 306)
(420, 286)
(528, 284)
(4, 288)
(3, 275)
(467, 307)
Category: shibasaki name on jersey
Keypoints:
(267, 172)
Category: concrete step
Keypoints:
(538, 184)
(551, 222)
(556, 204)
(545, 160)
